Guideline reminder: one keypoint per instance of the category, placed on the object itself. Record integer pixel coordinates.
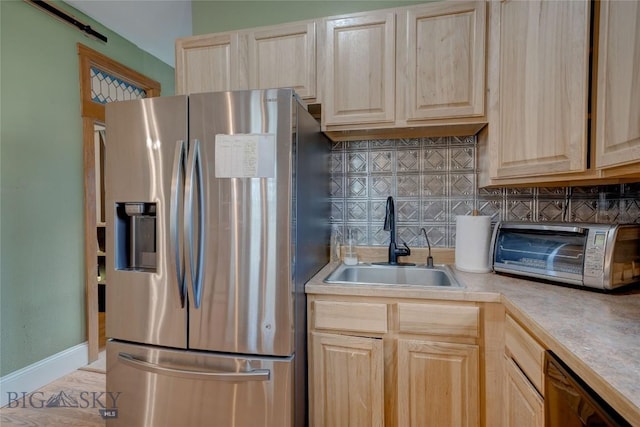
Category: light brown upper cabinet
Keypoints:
(359, 75)
(539, 131)
(208, 63)
(441, 60)
(398, 68)
(283, 56)
(617, 124)
(539, 71)
(260, 58)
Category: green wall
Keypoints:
(215, 16)
(41, 178)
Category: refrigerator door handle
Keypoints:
(177, 187)
(253, 375)
(194, 177)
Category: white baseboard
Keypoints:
(36, 375)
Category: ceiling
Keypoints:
(152, 25)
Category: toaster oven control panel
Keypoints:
(594, 254)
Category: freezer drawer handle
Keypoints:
(254, 375)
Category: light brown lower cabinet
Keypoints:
(412, 364)
(523, 377)
(524, 407)
(347, 380)
(437, 383)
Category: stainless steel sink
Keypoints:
(370, 274)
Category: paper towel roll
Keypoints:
(473, 236)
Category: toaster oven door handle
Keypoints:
(542, 227)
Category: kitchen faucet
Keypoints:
(390, 225)
(429, 257)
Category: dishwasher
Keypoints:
(570, 402)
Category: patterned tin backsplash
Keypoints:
(432, 180)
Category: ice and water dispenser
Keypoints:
(135, 239)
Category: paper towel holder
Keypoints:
(473, 256)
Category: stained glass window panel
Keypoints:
(106, 88)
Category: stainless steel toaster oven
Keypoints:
(602, 256)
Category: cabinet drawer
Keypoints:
(350, 316)
(525, 351)
(436, 319)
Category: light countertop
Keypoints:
(596, 334)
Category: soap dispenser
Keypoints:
(350, 254)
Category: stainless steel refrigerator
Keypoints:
(217, 214)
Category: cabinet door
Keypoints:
(618, 104)
(360, 57)
(525, 351)
(524, 407)
(208, 64)
(283, 56)
(346, 381)
(443, 58)
(541, 128)
(438, 384)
